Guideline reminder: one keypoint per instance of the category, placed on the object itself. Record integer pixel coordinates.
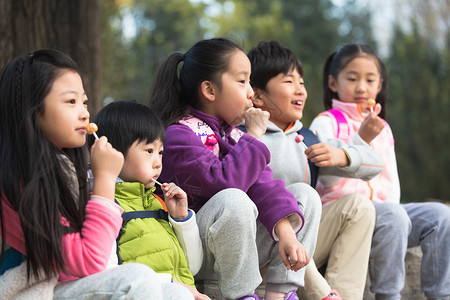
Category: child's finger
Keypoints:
(285, 260)
(171, 190)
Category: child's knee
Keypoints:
(392, 218)
(235, 202)
(357, 204)
(441, 216)
(306, 195)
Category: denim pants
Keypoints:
(400, 226)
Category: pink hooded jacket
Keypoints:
(384, 187)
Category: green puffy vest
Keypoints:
(150, 241)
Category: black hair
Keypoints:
(340, 59)
(34, 180)
(125, 122)
(269, 59)
(178, 80)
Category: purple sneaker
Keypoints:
(251, 297)
(292, 295)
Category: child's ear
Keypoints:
(332, 84)
(257, 97)
(208, 90)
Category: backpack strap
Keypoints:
(309, 138)
(206, 134)
(140, 214)
(342, 127)
(11, 258)
(203, 131)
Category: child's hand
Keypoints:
(176, 200)
(323, 155)
(370, 127)
(292, 252)
(195, 293)
(256, 121)
(106, 164)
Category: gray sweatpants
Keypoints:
(400, 226)
(236, 245)
(127, 281)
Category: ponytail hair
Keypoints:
(166, 97)
(340, 59)
(35, 180)
(177, 82)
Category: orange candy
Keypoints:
(371, 102)
(91, 128)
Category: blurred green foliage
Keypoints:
(138, 35)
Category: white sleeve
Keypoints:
(113, 260)
(189, 238)
(365, 163)
(394, 195)
(322, 126)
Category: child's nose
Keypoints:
(84, 113)
(360, 87)
(250, 92)
(299, 88)
(157, 163)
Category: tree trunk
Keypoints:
(72, 26)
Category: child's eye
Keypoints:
(85, 102)
(242, 81)
(150, 151)
(71, 101)
(351, 79)
(161, 152)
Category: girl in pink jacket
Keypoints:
(46, 213)
(352, 77)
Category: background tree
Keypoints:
(311, 29)
(138, 34)
(158, 28)
(419, 102)
(70, 26)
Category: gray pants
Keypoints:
(128, 281)
(399, 227)
(236, 245)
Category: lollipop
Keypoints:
(299, 138)
(371, 103)
(156, 181)
(91, 129)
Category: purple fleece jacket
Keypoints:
(242, 165)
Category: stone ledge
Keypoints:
(411, 289)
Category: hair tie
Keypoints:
(180, 67)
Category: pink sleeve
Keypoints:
(87, 252)
(13, 228)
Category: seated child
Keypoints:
(352, 77)
(63, 235)
(169, 244)
(246, 218)
(346, 225)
